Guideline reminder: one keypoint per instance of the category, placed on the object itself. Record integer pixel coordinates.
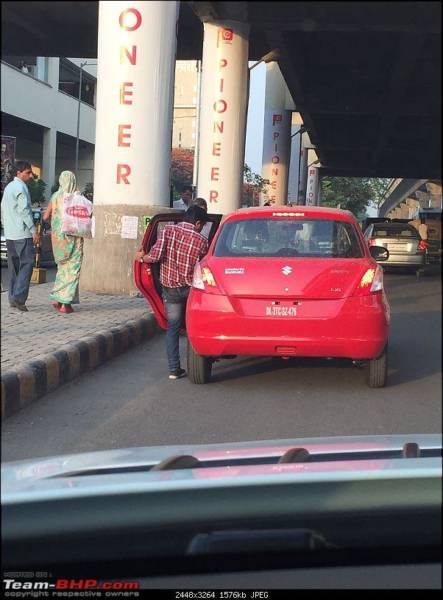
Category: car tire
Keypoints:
(377, 370)
(199, 367)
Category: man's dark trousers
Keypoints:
(20, 265)
(175, 306)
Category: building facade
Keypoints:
(185, 104)
(40, 111)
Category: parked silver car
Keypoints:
(406, 248)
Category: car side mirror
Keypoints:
(379, 253)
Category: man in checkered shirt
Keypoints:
(178, 249)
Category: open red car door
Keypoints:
(147, 275)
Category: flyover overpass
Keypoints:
(405, 196)
(365, 76)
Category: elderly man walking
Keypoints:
(21, 235)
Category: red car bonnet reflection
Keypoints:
(280, 450)
(250, 470)
(311, 467)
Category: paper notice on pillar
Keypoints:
(129, 227)
(93, 226)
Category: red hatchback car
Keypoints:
(286, 281)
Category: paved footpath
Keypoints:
(43, 349)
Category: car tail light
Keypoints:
(371, 282)
(204, 279)
(422, 245)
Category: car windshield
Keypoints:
(310, 238)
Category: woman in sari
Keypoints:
(67, 249)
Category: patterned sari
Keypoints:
(67, 249)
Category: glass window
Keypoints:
(288, 237)
(396, 231)
(36, 66)
(69, 81)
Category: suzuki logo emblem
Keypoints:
(286, 270)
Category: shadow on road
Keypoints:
(414, 346)
(250, 366)
(414, 353)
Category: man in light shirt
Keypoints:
(21, 235)
(185, 200)
(204, 205)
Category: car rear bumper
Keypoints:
(405, 260)
(355, 328)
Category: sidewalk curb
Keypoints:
(47, 372)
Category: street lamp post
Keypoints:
(83, 64)
(301, 131)
(271, 56)
(197, 127)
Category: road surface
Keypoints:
(131, 402)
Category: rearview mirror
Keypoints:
(379, 253)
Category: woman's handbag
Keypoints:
(77, 216)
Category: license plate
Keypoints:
(397, 247)
(281, 311)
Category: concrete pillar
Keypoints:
(53, 72)
(404, 210)
(435, 192)
(294, 164)
(49, 156)
(413, 208)
(276, 136)
(135, 88)
(312, 187)
(303, 170)
(224, 101)
(41, 63)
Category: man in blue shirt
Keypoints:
(21, 235)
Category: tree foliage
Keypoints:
(37, 189)
(253, 185)
(88, 192)
(352, 193)
(182, 168)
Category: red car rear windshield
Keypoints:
(289, 237)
